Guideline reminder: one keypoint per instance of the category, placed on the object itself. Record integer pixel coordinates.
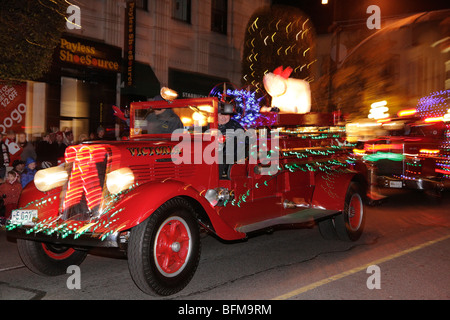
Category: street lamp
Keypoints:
(378, 110)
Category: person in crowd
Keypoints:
(13, 147)
(4, 159)
(29, 172)
(60, 146)
(18, 166)
(28, 149)
(52, 137)
(10, 192)
(68, 137)
(83, 137)
(2, 210)
(44, 151)
(100, 133)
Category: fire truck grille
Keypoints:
(161, 171)
(388, 167)
(86, 187)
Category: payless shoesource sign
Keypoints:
(90, 54)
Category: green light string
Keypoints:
(330, 167)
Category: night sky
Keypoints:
(354, 11)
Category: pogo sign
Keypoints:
(12, 107)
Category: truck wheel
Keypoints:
(48, 259)
(164, 250)
(350, 224)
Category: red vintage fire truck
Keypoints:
(152, 195)
(414, 154)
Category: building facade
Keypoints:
(116, 52)
(405, 60)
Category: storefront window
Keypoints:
(74, 106)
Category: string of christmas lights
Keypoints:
(435, 104)
(278, 37)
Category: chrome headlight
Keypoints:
(218, 196)
(119, 180)
(50, 178)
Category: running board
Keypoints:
(295, 217)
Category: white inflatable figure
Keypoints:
(289, 95)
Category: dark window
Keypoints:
(182, 10)
(219, 16)
(142, 4)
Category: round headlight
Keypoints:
(119, 180)
(50, 178)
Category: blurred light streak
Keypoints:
(407, 112)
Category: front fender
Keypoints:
(331, 189)
(138, 204)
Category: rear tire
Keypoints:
(327, 229)
(164, 250)
(48, 259)
(350, 223)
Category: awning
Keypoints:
(191, 85)
(145, 82)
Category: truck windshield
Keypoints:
(166, 120)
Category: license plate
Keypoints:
(23, 217)
(395, 184)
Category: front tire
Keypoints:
(48, 259)
(164, 250)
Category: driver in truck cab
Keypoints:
(158, 120)
(163, 121)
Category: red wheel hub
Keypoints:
(172, 246)
(355, 212)
(57, 253)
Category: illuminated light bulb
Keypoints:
(186, 121)
(168, 94)
(50, 178)
(119, 180)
